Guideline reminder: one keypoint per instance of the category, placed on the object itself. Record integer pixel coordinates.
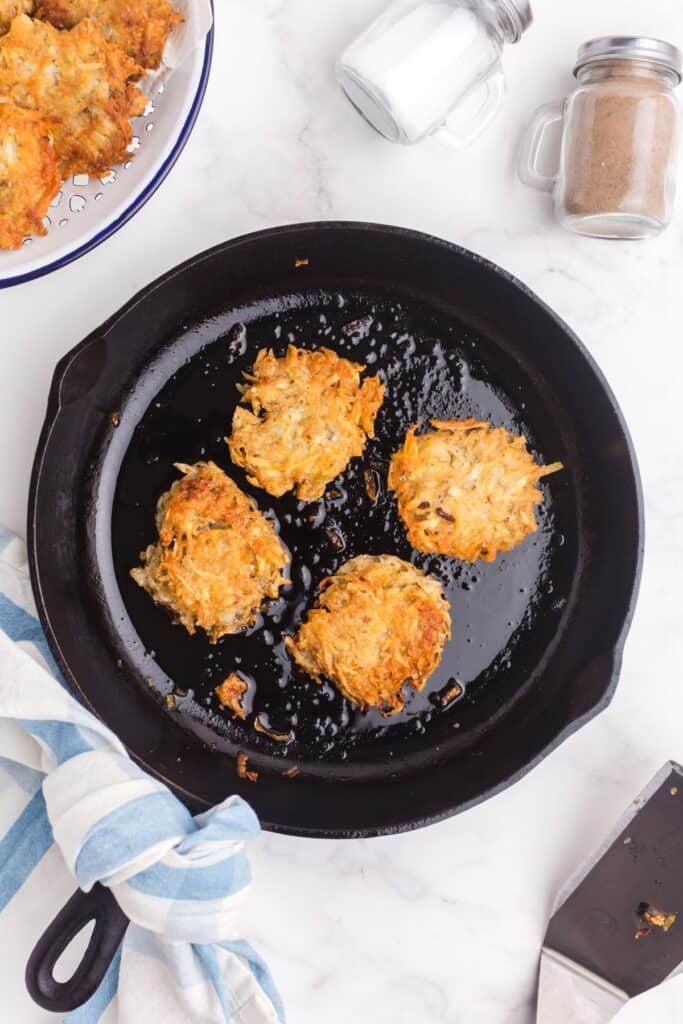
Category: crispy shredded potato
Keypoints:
(378, 624)
(140, 27)
(277, 737)
(29, 176)
(230, 693)
(82, 85)
(217, 558)
(243, 770)
(309, 416)
(467, 489)
(10, 9)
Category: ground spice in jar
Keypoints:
(620, 143)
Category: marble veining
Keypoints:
(441, 926)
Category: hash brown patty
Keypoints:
(308, 416)
(29, 176)
(10, 9)
(140, 27)
(82, 85)
(467, 489)
(378, 623)
(217, 558)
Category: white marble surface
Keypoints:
(442, 925)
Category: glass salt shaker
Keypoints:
(432, 66)
(616, 176)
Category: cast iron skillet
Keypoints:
(538, 635)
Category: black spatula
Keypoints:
(617, 929)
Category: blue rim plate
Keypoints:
(146, 193)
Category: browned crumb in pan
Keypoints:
(82, 85)
(277, 737)
(140, 27)
(243, 770)
(29, 176)
(308, 416)
(452, 693)
(467, 489)
(217, 558)
(378, 624)
(230, 693)
(371, 481)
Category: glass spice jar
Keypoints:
(432, 66)
(619, 146)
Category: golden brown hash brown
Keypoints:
(217, 558)
(309, 416)
(467, 489)
(140, 27)
(80, 83)
(378, 624)
(29, 176)
(10, 9)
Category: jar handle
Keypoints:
(479, 107)
(532, 145)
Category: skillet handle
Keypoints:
(78, 372)
(110, 925)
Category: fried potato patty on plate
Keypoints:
(82, 85)
(378, 624)
(140, 27)
(467, 489)
(217, 558)
(309, 416)
(10, 9)
(29, 176)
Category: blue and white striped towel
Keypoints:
(66, 779)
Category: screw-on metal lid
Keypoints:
(631, 47)
(519, 17)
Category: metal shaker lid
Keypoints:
(657, 51)
(519, 17)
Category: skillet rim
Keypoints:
(613, 656)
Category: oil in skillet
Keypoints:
(431, 370)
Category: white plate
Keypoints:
(89, 209)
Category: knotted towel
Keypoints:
(179, 879)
